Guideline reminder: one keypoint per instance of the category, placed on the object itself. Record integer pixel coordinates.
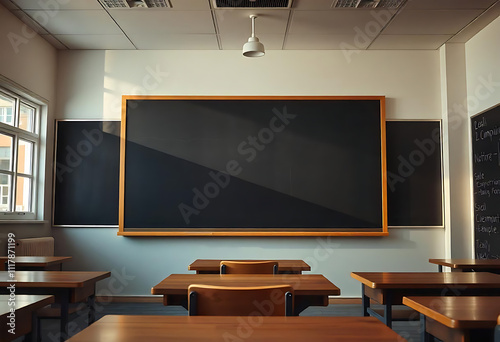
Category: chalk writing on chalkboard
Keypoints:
(486, 182)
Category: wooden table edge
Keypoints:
(439, 317)
(40, 303)
(364, 281)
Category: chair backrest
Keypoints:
(248, 267)
(208, 300)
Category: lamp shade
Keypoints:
(253, 48)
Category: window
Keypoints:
(19, 142)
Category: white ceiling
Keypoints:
(306, 25)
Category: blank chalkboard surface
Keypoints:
(253, 166)
(486, 182)
(414, 173)
(86, 182)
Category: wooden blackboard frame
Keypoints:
(379, 231)
(79, 158)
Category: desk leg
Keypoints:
(440, 268)
(365, 301)
(33, 335)
(91, 307)
(65, 293)
(388, 310)
(424, 335)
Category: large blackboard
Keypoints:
(86, 177)
(256, 166)
(486, 182)
(414, 173)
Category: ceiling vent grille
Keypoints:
(252, 3)
(114, 4)
(367, 3)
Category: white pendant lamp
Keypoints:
(253, 48)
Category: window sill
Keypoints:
(23, 222)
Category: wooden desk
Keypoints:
(227, 328)
(34, 263)
(389, 288)
(208, 266)
(468, 265)
(24, 316)
(456, 318)
(309, 289)
(67, 287)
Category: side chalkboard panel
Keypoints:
(486, 182)
(86, 179)
(414, 173)
(256, 166)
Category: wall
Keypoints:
(482, 58)
(28, 61)
(90, 86)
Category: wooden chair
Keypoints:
(248, 267)
(208, 300)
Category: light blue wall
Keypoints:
(148, 260)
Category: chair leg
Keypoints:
(192, 304)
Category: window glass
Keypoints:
(26, 117)
(23, 193)
(4, 192)
(7, 107)
(5, 152)
(24, 156)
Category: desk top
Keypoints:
(37, 261)
(65, 279)
(467, 263)
(214, 264)
(30, 302)
(464, 312)
(303, 284)
(218, 328)
(400, 280)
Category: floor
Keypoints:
(410, 330)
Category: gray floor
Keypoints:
(408, 330)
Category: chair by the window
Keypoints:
(208, 300)
(248, 267)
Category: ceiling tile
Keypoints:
(339, 22)
(238, 21)
(271, 41)
(312, 4)
(164, 21)
(56, 5)
(449, 4)
(326, 42)
(161, 41)
(477, 25)
(96, 41)
(76, 22)
(431, 22)
(190, 5)
(54, 42)
(409, 42)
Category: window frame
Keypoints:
(34, 138)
